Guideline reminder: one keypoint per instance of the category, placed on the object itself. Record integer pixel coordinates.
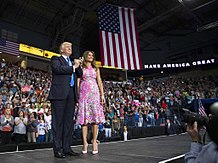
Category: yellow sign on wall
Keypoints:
(24, 48)
(98, 63)
(36, 51)
(49, 54)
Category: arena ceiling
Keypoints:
(157, 19)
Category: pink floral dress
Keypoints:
(90, 109)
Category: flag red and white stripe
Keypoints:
(119, 44)
(201, 109)
(9, 47)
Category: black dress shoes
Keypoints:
(59, 155)
(72, 153)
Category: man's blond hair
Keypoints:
(63, 45)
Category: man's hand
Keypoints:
(77, 63)
(81, 59)
(193, 132)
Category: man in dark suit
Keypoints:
(63, 96)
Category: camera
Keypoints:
(211, 122)
(191, 117)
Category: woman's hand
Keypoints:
(102, 100)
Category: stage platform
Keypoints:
(143, 150)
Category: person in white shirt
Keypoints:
(6, 123)
(48, 135)
(20, 128)
(41, 128)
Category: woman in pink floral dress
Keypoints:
(91, 99)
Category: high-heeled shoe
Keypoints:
(86, 147)
(95, 151)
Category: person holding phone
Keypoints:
(91, 100)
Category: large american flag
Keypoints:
(9, 47)
(119, 44)
(201, 109)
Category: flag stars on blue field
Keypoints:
(109, 19)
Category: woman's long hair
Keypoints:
(85, 56)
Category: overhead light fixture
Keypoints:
(161, 72)
(0, 52)
(18, 56)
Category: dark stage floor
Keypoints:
(144, 150)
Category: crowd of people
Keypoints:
(25, 111)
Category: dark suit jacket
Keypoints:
(61, 77)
